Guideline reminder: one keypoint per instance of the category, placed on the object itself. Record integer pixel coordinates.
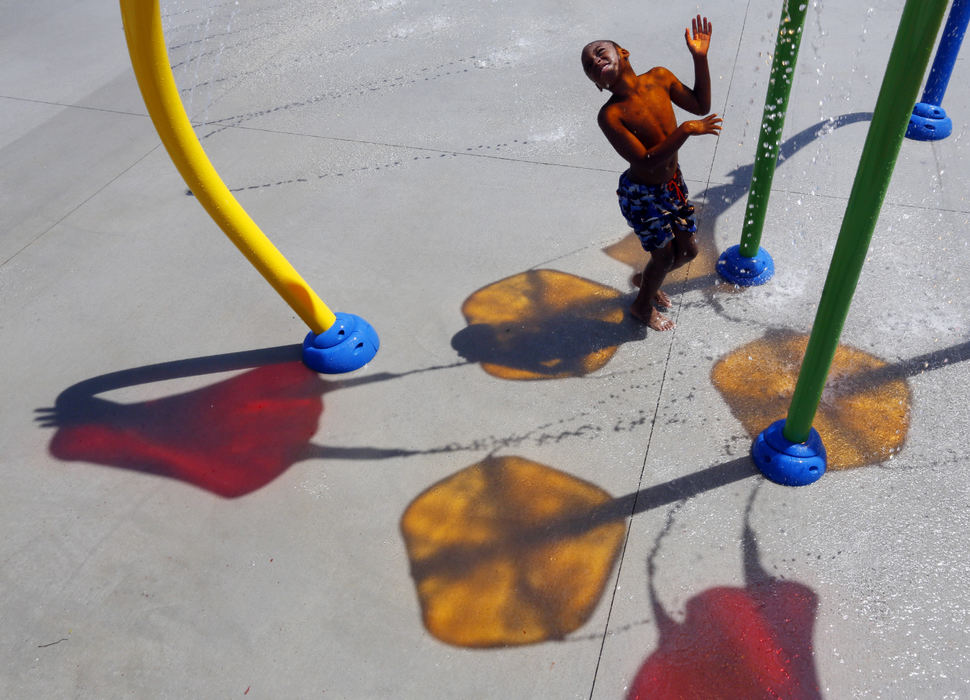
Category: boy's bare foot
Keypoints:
(654, 319)
(661, 298)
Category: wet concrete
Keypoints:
(525, 494)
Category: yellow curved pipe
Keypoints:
(149, 58)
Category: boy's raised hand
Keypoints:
(711, 124)
(700, 42)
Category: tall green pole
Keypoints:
(918, 27)
(748, 264)
(900, 86)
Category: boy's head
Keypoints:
(604, 61)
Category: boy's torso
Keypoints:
(649, 115)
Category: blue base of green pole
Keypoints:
(743, 271)
(928, 123)
(789, 463)
(349, 344)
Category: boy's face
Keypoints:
(602, 62)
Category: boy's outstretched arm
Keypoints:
(634, 152)
(698, 99)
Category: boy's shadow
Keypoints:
(553, 347)
(544, 324)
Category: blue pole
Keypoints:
(930, 121)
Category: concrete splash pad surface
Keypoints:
(188, 512)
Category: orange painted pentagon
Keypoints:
(544, 324)
(863, 416)
(508, 551)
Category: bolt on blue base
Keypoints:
(349, 344)
(789, 463)
(928, 123)
(743, 271)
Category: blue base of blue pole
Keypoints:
(928, 123)
(349, 344)
(789, 463)
(743, 271)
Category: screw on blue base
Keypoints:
(349, 344)
(743, 271)
(928, 123)
(789, 463)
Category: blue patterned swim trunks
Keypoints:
(653, 211)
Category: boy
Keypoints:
(639, 122)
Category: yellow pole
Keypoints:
(149, 57)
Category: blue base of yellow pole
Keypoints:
(928, 123)
(349, 344)
(786, 462)
(743, 271)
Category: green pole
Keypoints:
(772, 122)
(908, 60)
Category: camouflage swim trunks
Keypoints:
(653, 211)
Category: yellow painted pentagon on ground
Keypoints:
(545, 324)
(508, 552)
(863, 416)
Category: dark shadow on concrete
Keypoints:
(684, 487)
(80, 403)
(453, 560)
(544, 324)
(938, 359)
(566, 340)
(719, 198)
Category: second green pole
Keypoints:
(749, 264)
(790, 451)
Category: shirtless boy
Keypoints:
(639, 122)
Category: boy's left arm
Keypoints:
(698, 99)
